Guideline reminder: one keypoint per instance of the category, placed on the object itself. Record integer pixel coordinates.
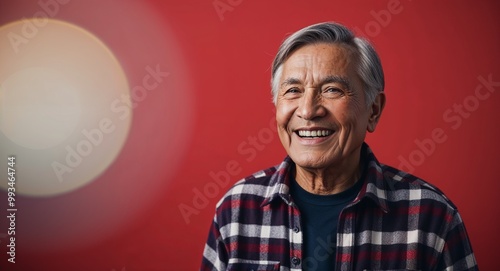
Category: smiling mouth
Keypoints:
(313, 134)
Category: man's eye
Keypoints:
(292, 90)
(332, 89)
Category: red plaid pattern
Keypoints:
(397, 222)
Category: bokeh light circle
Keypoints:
(58, 85)
(158, 98)
(40, 108)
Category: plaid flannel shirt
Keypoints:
(397, 222)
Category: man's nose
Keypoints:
(310, 106)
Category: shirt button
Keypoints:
(296, 229)
(295, 261)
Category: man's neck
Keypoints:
(328, 181)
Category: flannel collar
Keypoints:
(375, 187)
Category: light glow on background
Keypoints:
(132, 87)
(56, 95)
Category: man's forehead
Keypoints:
(327, 56)
(321, 60)
(321, 52)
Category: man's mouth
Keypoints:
(313, 133)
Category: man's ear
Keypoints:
(376, 109)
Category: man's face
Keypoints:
(321, 110)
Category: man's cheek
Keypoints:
(285, 138)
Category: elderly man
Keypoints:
(330, 205)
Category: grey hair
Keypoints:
(369, 65)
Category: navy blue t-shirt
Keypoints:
(319, 217)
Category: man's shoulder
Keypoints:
(401, 185)
(252, 187)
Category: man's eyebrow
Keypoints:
(329, 79)
(337, 79)
(290, 81)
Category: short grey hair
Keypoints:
(369, 65)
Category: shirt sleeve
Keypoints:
(215, 254)
(457, 251)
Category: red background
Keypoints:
(433, 54)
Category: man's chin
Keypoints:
(311, 162)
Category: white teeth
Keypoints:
(317, 133)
